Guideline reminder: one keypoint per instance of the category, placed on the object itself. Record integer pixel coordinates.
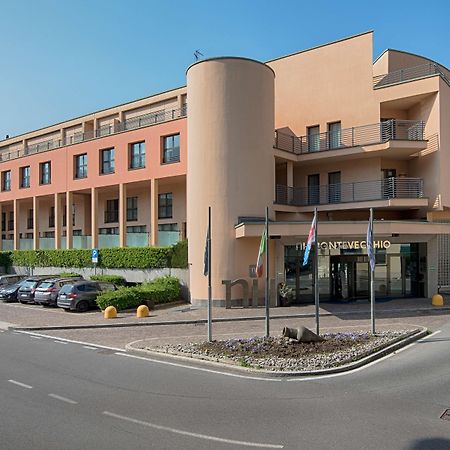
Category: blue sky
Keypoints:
(61, 59)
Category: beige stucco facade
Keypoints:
(323, 128)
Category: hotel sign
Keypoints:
(347, 245)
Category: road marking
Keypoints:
(17, 383)
(88, 347)
(61, 342)
(63, 399)
(429, 336)
(70, 341)
(188, 433)
(35, 337)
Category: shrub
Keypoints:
(180, 255)
(161, 290)
(111, 258)
(69, 274)
(115, 279)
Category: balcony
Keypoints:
(409, 74)
(360, 191)
(378, 133)
(144, 120)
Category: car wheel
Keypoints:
(82, 306)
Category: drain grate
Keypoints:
(446, 415)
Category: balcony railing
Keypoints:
(361, 191)
(409, 130)
(409, 74)
(144, 120)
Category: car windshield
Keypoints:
(46, 285)
(29, 284)
(11, 287)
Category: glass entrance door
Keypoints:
(349, 277)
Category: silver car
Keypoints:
(47, 291)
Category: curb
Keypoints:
(396, 345)
(221, 320)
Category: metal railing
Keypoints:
(409, 130)
(144, 120)
(360, 191)
(409, 74)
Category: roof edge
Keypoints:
(243, 58)
(412, 54)
(321, 45)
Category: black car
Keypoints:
(9, 293)
(28, 288)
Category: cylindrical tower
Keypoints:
(230, 164)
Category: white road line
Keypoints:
(71, 341)
(63, 399)
(188, 433)
(35, 337)
(17, 383)
(429, 336)
(88, 347)
(61, 342)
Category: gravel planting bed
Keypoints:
(284, 354)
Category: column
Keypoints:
(1, 228)
(69, 226)
(154, 212)
(290, 181)
(94, 217)
(58, 220)
(122, 215)
(16, 223)
(35, 223)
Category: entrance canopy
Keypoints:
(349, 229)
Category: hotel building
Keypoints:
(324, 128)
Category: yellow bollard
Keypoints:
(110, 313)
(437, 300)
(142, 311)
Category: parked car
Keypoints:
(6, 280)
(28, 288)
(80, 296)
(8, 293)
(47, 291)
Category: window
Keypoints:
(51, 217)
(6, 180)
(137, 229)
(334, 135)
(112, 211)
(81, 166)
(25, 177)
(168, 227)
(314, 189)
(3, 221)
(64, 220)
(171, 149)
(107, 161)
(49, 234)
(137, 155)
(45, 172)
(314, 138)
(165, 205)
(11, 221)
(334, 187)
(132, 208)
(113, 230)
(30, 219)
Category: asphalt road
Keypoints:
(57, 395)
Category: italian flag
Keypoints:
(262, 250)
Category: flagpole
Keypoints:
(267, 291)
(316, 274)
(372, 278)
(209, 278)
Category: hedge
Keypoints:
(109, 258)
(161, 290)
(115, 279)
(180, 255)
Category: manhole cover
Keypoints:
(446, 415)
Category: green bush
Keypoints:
(115, 279)
(69, 274)
(109, 258)
(180, 255)
(161, 290)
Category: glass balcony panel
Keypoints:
(81, 241)
(47, 243)
(137, 239)
(26, 244)
(108, 240)
(168, 238)
(8, 244)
